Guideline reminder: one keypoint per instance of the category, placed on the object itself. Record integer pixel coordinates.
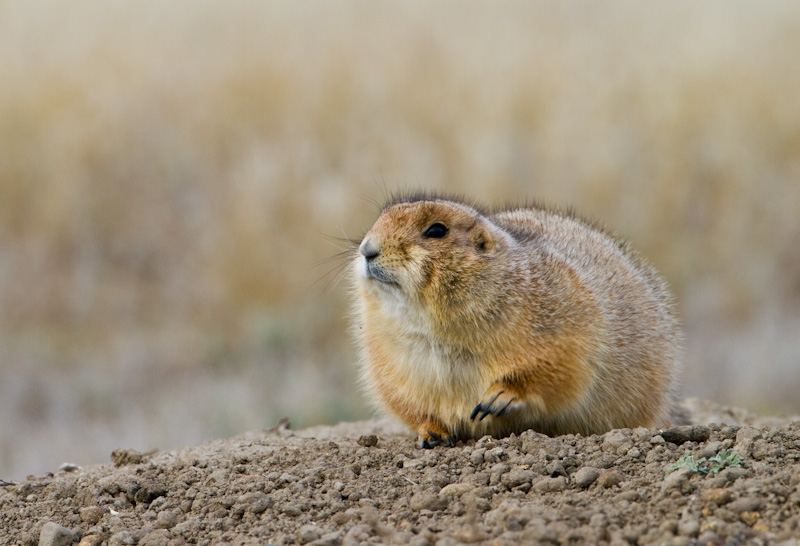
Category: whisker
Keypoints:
(334, 277)
(338, 256)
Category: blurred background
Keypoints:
(176, 179)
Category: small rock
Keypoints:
(333, 538)
(677, 435)
(669, 526)
(762, 449)
(426, 500)
(715, 483)
(53, 534)
(358, 534)
(745, 438)
(708, 537)
(734, 473)
(92, 514)
(617, 438)
(308, 533)
(688, 527)
(718, 496)
(494, 455)
(686, 433)
(609, 478)
(476, 458)
(700, 433)
(68, 467)
(761, 527)
(585, 476)
(155, 538)
(676, 479)
(91, 540)
(704, 454)
(745, 504)
(550, 485)
(369, 440)
(630, 496)
(166, 519)
(125, 538)
(260, 503)
(455, 489)
(150, 491)
(750, 518)
(517, 477)
(713, 524)
(123, 457)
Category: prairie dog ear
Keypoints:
(486, 237)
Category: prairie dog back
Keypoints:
(472, 323)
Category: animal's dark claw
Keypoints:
(435, 439)
(477, 409)
(497, 405)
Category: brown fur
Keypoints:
(527, 317)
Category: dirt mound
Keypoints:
(367, 483)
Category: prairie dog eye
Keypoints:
(436, 231)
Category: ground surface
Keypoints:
(366, 482)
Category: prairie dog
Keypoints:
(472, 323)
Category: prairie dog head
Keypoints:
(429, 256)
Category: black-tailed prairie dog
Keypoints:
(472, 323)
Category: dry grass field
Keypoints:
(175, 179)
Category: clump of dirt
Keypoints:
(366, 482)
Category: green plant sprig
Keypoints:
(727, 458)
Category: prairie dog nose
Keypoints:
(369, 249)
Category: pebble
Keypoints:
(585, 476)
(166, 519)
(550, 485)
(92, 514)
(68, 467)
(609, 478)
(735, 473)
(369, 440)
(745, 504)
(718, 496)
(556, 468)
(517, 477)
(616, 439)
(455, 489)
(686, 433)
(688, 527)
(334, 538)
(53, 534)
(708, 537)
(676, 479)
(476, 457)
(494, 455)
(745, 438)
(426, 500)
(155, 538)
(750, 518)
(149, 491)
(125, 538)
(123, 457)
(308, 533)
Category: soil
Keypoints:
(367, 483)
